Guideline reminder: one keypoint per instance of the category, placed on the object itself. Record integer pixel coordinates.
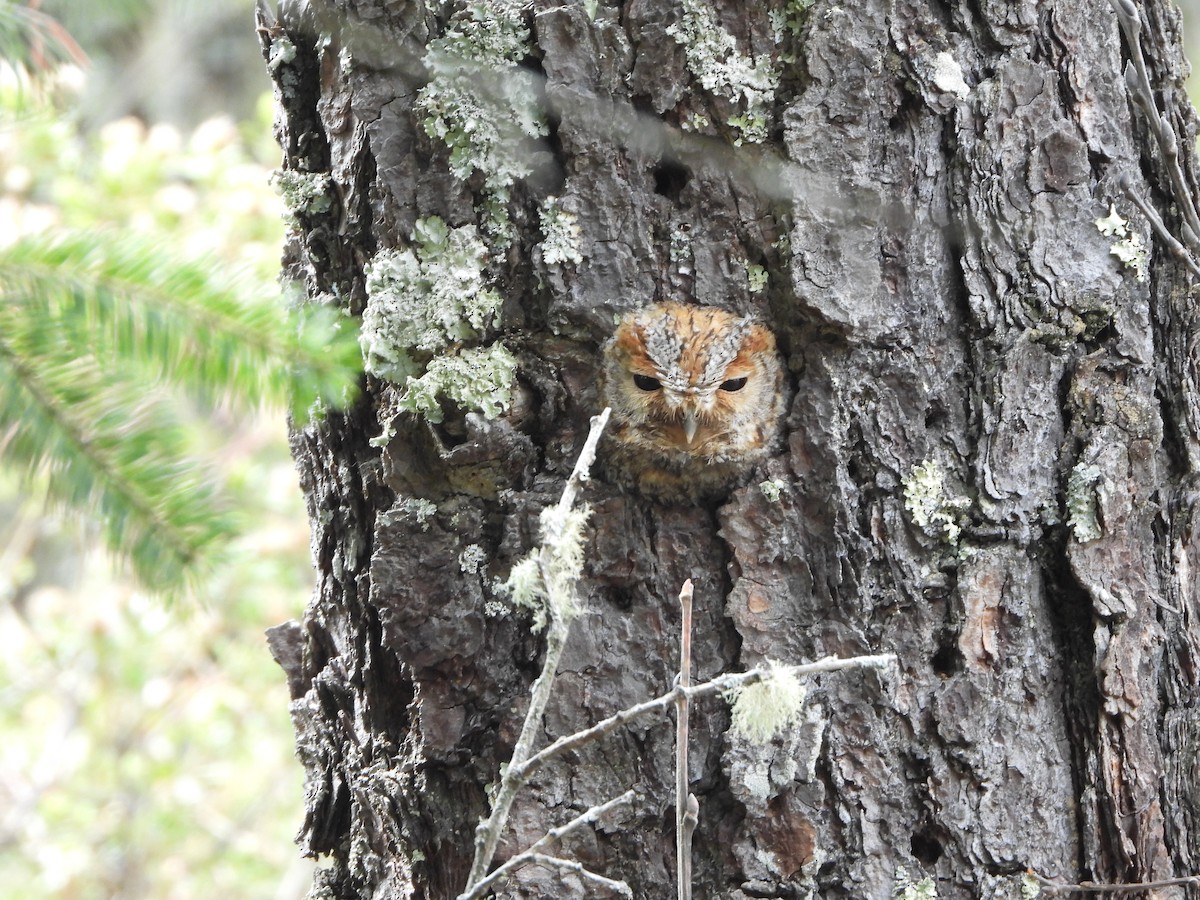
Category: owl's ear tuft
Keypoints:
(758, 341)
(629, 340)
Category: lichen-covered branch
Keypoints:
(661, 704)
(558, 565)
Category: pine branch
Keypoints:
(104, 446)
(32, 42)
(136, 308)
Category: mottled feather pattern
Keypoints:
(697, 395)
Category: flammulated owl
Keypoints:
(696, 395)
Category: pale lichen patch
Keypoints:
(763, 709)
(561, 232)
(715, 61)
(473, 378)
(482, 104)
(303, 193)
(772, 489)
(933, 509)
(1083, 507)
(425, 298)
(756, 277)
(1128, 246)
(904, 888)
(948, 76)
(421, 510)
(472, 558)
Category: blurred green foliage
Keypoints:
(101, 328)
(145, 750)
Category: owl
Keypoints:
(696, 394)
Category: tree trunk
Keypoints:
(989, 466)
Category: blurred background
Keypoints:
(145, 746)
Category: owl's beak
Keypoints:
(689, 425)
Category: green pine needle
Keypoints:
(130, 305)
(33, 44)
(94, 330)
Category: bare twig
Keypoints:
(1137, 79)
(661, 704)
(550, 837)
(683, 833)
(487, 834)
(688, 824)
(1151, 215)
(525, 763)
(1094, 887)
(583, 465)
(570, 865)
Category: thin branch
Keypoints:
(690, 817)
(617, 887)
(683, 834)
(1151, 215)
(550, 837)
(1059, 887)
(661, 704)
(487, 834)
(583, 465)
(1138, 82)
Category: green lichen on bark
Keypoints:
(1128, 246)
(772, 489)
(935, 511)
(561, 233)
(907, 889)
(478, 378)
(482, 105)
(303, 193)
(768, 707)
(722, 69)
(1083, 508)
(425, 300)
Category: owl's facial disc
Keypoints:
(697, 394)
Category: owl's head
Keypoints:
(690, 379)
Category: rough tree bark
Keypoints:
(989, 470)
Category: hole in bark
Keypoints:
(926, 848)
(947, 661)
(533, 64)
(1106, 334)
(621, 599)
(935, 414)
(907, 112)
(670, 178)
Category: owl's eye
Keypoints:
(646, 383)
(733, 384)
